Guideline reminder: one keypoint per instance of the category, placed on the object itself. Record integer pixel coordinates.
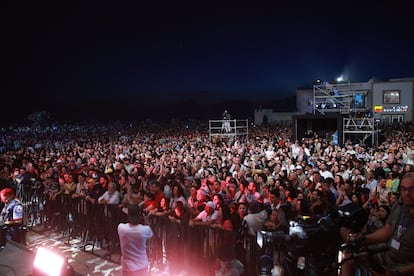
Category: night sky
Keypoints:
(58, 56)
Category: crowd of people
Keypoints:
(241, 184)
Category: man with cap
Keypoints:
(133, 237)
(301, 176)
(209, 216)
(11, 216)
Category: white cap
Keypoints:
(211, 204)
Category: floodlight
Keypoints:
(47, 262)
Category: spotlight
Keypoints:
(47, 262)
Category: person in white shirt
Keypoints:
(209, 216)
(410, 159)
(324, 172)
(371, 181)
(127, 165)
(81, 187)
(133, 237)
(112, 196)
(295, 149)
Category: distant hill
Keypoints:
(133, 110)
(287, 104)
(240, 109)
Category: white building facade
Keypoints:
(393, 101)
(389, 101)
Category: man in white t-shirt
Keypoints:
(133, 237)
(112, 196)
(207, 217)
(324, 171)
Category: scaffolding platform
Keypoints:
(364, 129)
(343, 98)
(228, 129)
(339, 109)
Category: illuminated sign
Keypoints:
(378, 108)
(398, 108)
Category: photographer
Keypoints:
(398, 232)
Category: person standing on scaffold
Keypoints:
(226, 122)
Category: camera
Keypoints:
(312, 244)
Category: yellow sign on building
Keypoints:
(378, 108)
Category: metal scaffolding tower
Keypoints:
(349, 100)
(338, 98)
(228, 128)
(360, 129)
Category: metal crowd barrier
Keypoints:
(177, 245)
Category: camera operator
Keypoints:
(398, 232)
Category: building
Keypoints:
(349, 110)
(392, 101)
(353, 110)
(387, 101)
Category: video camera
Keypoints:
(314, 232)
(318, 239)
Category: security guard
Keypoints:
(11, 218)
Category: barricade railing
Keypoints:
(176, 245)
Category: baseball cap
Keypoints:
(211, 204)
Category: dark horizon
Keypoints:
(60, 56)
(187, 109)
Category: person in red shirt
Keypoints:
(158, 194)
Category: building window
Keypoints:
(391, 97)
(359, 100)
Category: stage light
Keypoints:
(47, 262)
